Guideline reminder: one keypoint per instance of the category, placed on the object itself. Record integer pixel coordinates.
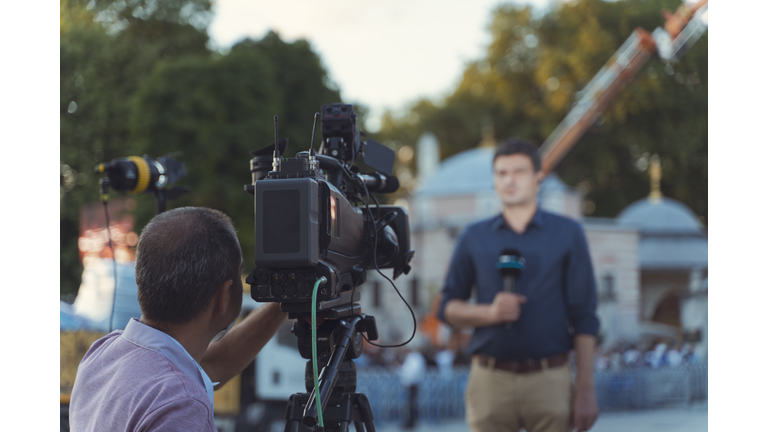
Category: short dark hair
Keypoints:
(512, 146)
(182, 257)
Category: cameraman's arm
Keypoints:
(229, 356)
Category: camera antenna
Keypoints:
(312, 158)
(276, 154)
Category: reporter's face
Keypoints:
(515, 180)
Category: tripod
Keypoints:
(339, 342)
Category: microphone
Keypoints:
(510, 264)
(380, 182)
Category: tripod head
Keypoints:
(339, 342)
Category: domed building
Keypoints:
(648, 262)
(672, 237)
(673, 257)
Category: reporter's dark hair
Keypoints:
(182, 257)
(512, 146)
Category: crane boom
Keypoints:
(682, 29)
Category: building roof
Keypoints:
(470, 172)
(467, 172)
(671, 235)
(667, 253)
(660, 216)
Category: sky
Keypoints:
(383, 54)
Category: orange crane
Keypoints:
(681, 30)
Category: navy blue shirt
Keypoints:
(557, 280)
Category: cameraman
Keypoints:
(160, 372)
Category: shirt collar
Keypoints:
(160, 342)
(538, 220)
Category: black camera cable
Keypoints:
(376, 265)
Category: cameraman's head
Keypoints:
(188, 265)
(517, 172)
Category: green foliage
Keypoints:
(530, 77)
(117, 15)
(217, 110)
(99, 74)
(301, 82)
(145, 83)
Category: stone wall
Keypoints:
(614, 252)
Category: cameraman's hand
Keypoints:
(506, 307)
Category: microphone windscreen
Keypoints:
(511, 262)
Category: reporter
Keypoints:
(520, 378)
(160, 372)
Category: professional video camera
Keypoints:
(307, 226)
(310, 232)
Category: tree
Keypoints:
(217, 110)
(100, 70)
(302, 84)
(136, 83)
(118, 15)
(531, 75)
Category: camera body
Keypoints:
(307, 227)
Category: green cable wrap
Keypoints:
(322, 280)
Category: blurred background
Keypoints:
(440, 83)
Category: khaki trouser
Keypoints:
(501, 401)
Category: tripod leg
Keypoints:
(292, 413)
(287, 415)
(359, 426)
(366, 415)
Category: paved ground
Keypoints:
(686, 419)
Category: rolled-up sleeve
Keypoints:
(580, 287)
(460, 277)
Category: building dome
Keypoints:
(660, 216)
(671, 235)
(470, 172)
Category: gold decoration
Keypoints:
(655, 171)
(488, 140)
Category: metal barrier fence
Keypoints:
(439, 397)
(650, 388)
(442, 397)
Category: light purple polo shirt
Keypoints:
(140, 379)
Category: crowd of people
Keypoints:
(628, 356)
(392, 359)
(614, 357)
